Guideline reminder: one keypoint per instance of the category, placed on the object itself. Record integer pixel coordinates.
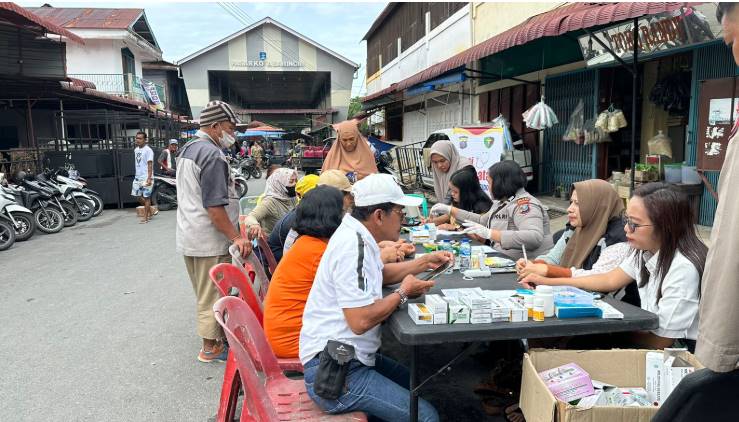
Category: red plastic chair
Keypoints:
(269, 396)
(267, 254)
(226, 277)
(252, 270)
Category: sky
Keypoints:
(184, 28)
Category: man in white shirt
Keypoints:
(346, 304)
(144, 161)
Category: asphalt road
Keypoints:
(97, 322)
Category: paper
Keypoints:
(449, 233)
(498, 294)
(483, 249)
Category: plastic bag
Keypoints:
(660, 144)
(575, 131)
(611, 120)
(594, 134)
(540, 116)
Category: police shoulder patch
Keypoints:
(524, 209)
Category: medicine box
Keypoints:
(609, 312)
(568, 382)
(459, 313)
(420, 314)
(436, 304)
(519, 313)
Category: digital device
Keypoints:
(441, 269)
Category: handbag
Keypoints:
(333, 365)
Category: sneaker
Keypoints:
(218, 354)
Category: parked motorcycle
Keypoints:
(69, 176)
(7, 233)
(164, 192)
(82, 204)
(45, 216)
(249, 168)
(240, 183)
(20, 217)
(56, 199)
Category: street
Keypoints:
(98, 323)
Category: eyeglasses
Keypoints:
(400, 212)
(631, 225)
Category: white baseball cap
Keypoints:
(378, 189)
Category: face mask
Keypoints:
(290, 191)
(227, 140)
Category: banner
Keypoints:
(484, 146)
(150, 89)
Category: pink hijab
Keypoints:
(361, 161)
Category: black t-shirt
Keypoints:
(276, 240)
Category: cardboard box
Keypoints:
(420, 314)
(140, 210)
(625, 368)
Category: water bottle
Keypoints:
(465, 254)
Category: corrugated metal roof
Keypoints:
(88, 17)
(571, 17)
(23, 16)
(288, 111)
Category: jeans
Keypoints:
(380, 391)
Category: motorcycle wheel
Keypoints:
(85, 209)
(49, 221)
(25, 226)
(99, 205)
(241, 188)
(165, 197)
(70, 219)
(246, 173)
(7, 235)
(256, 173)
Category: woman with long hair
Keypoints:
(667, 262)
(516, 220)
(466, 195)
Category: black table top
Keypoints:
(409, 333)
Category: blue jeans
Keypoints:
(380, 391)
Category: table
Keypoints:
(409, 334)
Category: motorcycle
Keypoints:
(7, 233)
(164, 193)
(240, 183)
(45, 216)
(69, 176)
(82, 204)
(55, 198)
(19, 216)
(249, 168)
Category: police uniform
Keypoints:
(521, 220)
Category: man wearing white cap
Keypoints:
(167, 160)
(345, 308)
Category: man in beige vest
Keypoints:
(718, 334)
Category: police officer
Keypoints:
(516, 218)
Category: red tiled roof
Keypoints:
(89, 18)
(20, 16)
(571, 17)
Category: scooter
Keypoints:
(240, 183)
(64, 176)
(20, 216)
(249, 168)
(56, 199)
(45, 216)
(7, 233)
(164, 192)
(82, 203)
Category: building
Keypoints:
(578, 56)
(271, 73)
(117, 44)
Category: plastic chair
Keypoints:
(267, 254)
(253, 271)
(227, 277)
(269, 396)
(246, 204)
(424, 204)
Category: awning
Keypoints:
(456, 76)
(288, 111)
(21, 16)
(568, 18)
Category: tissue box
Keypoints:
(420, 314)
(568, 382)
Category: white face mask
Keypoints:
(227, 139)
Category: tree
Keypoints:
(355, 108)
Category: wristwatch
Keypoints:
(403, 296)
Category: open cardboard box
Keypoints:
(622, 368)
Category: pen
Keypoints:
(525, 258)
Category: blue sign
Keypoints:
(262, 55)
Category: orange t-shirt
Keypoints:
(288, 292)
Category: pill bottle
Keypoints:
(528, 302)
(547, 294)
(538, 309)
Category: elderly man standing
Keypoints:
(207, 215)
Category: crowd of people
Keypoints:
(336, 240)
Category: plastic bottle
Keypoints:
(481, 258)
(528, 301)
(546, 293)
(465, 254)
(538, 314)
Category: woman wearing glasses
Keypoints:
(667, 262)
(594, 241)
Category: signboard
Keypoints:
(264, 63)
(152, 95)
(717, 111)
(483, 146)
(691, 25)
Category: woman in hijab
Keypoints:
(445, 161)
(350, 152)
(279, 198)
(594, 241)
